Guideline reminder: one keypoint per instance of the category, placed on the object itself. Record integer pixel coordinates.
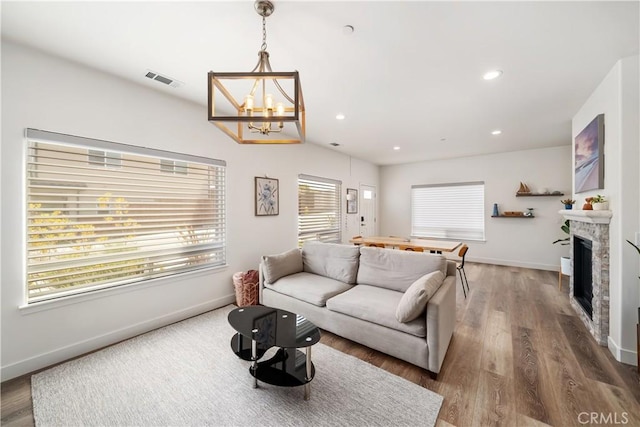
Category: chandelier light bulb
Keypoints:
(268, 102)
(248, 103)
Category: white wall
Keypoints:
(617, 98)
(43, 92)
(509, 241)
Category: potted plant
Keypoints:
(565, 261)
(599, 203)
(568, 203)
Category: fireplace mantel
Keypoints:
(593, 217)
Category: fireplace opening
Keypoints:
(582, 279)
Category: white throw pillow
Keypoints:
(284, 264)
(415, 298)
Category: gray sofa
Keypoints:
(398, 302)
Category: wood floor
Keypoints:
(519, 357)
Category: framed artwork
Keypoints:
(589, 151)
(267, 197)
(352, 201)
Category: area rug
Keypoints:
(186, 374)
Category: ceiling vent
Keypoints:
(163, 79)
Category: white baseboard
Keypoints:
(509, 263)
(623, 355)
(76, 349)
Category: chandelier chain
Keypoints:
(264, 34)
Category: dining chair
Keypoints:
(410, 248)
(460, 267)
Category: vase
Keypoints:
(587, 207)
(495, 210)
(602, 206)
(568, 207)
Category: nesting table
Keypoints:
(260, 328)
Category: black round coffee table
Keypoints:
(260, 328)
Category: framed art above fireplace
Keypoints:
(589, 156)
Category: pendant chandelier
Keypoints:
(259, 106)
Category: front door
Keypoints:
(367, 210)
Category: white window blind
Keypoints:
(91, 228)
(449, 211)
(319, 209)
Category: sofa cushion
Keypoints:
(308, 287)
(394, 269)
(414, 300)
(277, 266)
(376, 305)
(339, 262)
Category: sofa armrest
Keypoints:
(441, 320)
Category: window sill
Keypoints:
(55, 303)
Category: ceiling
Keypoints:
(410, 75)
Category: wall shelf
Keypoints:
(538, 194)
(512, 216)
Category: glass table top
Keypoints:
(274, 327)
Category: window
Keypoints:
(172, 166)
(105, 159)
(89, 230)
(318, 209)
(450, 211)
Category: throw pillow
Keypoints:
(415, 298)
(284, 264)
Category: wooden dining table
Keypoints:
(436, 246)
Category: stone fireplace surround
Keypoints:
(594, 226)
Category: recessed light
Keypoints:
(396, 148)
(347, 30)
(335, 144)
(493, 74)
(443, 139)
(340, 116)
(496, 132)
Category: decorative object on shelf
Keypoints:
(267, 196)
(495, 210)
(587, 206)
(529, 212)
(513, 213)
(589, 151)
(599, 203)
(568, 203)
(523, 189)
(352, 201)
(254, 108)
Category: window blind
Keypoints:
(90, 227)
(319, 209)
(451, 211)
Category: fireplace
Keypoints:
(589, 282)
(582, 274)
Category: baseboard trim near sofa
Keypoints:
(623, 355)
(510, 263)
(61, 354)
